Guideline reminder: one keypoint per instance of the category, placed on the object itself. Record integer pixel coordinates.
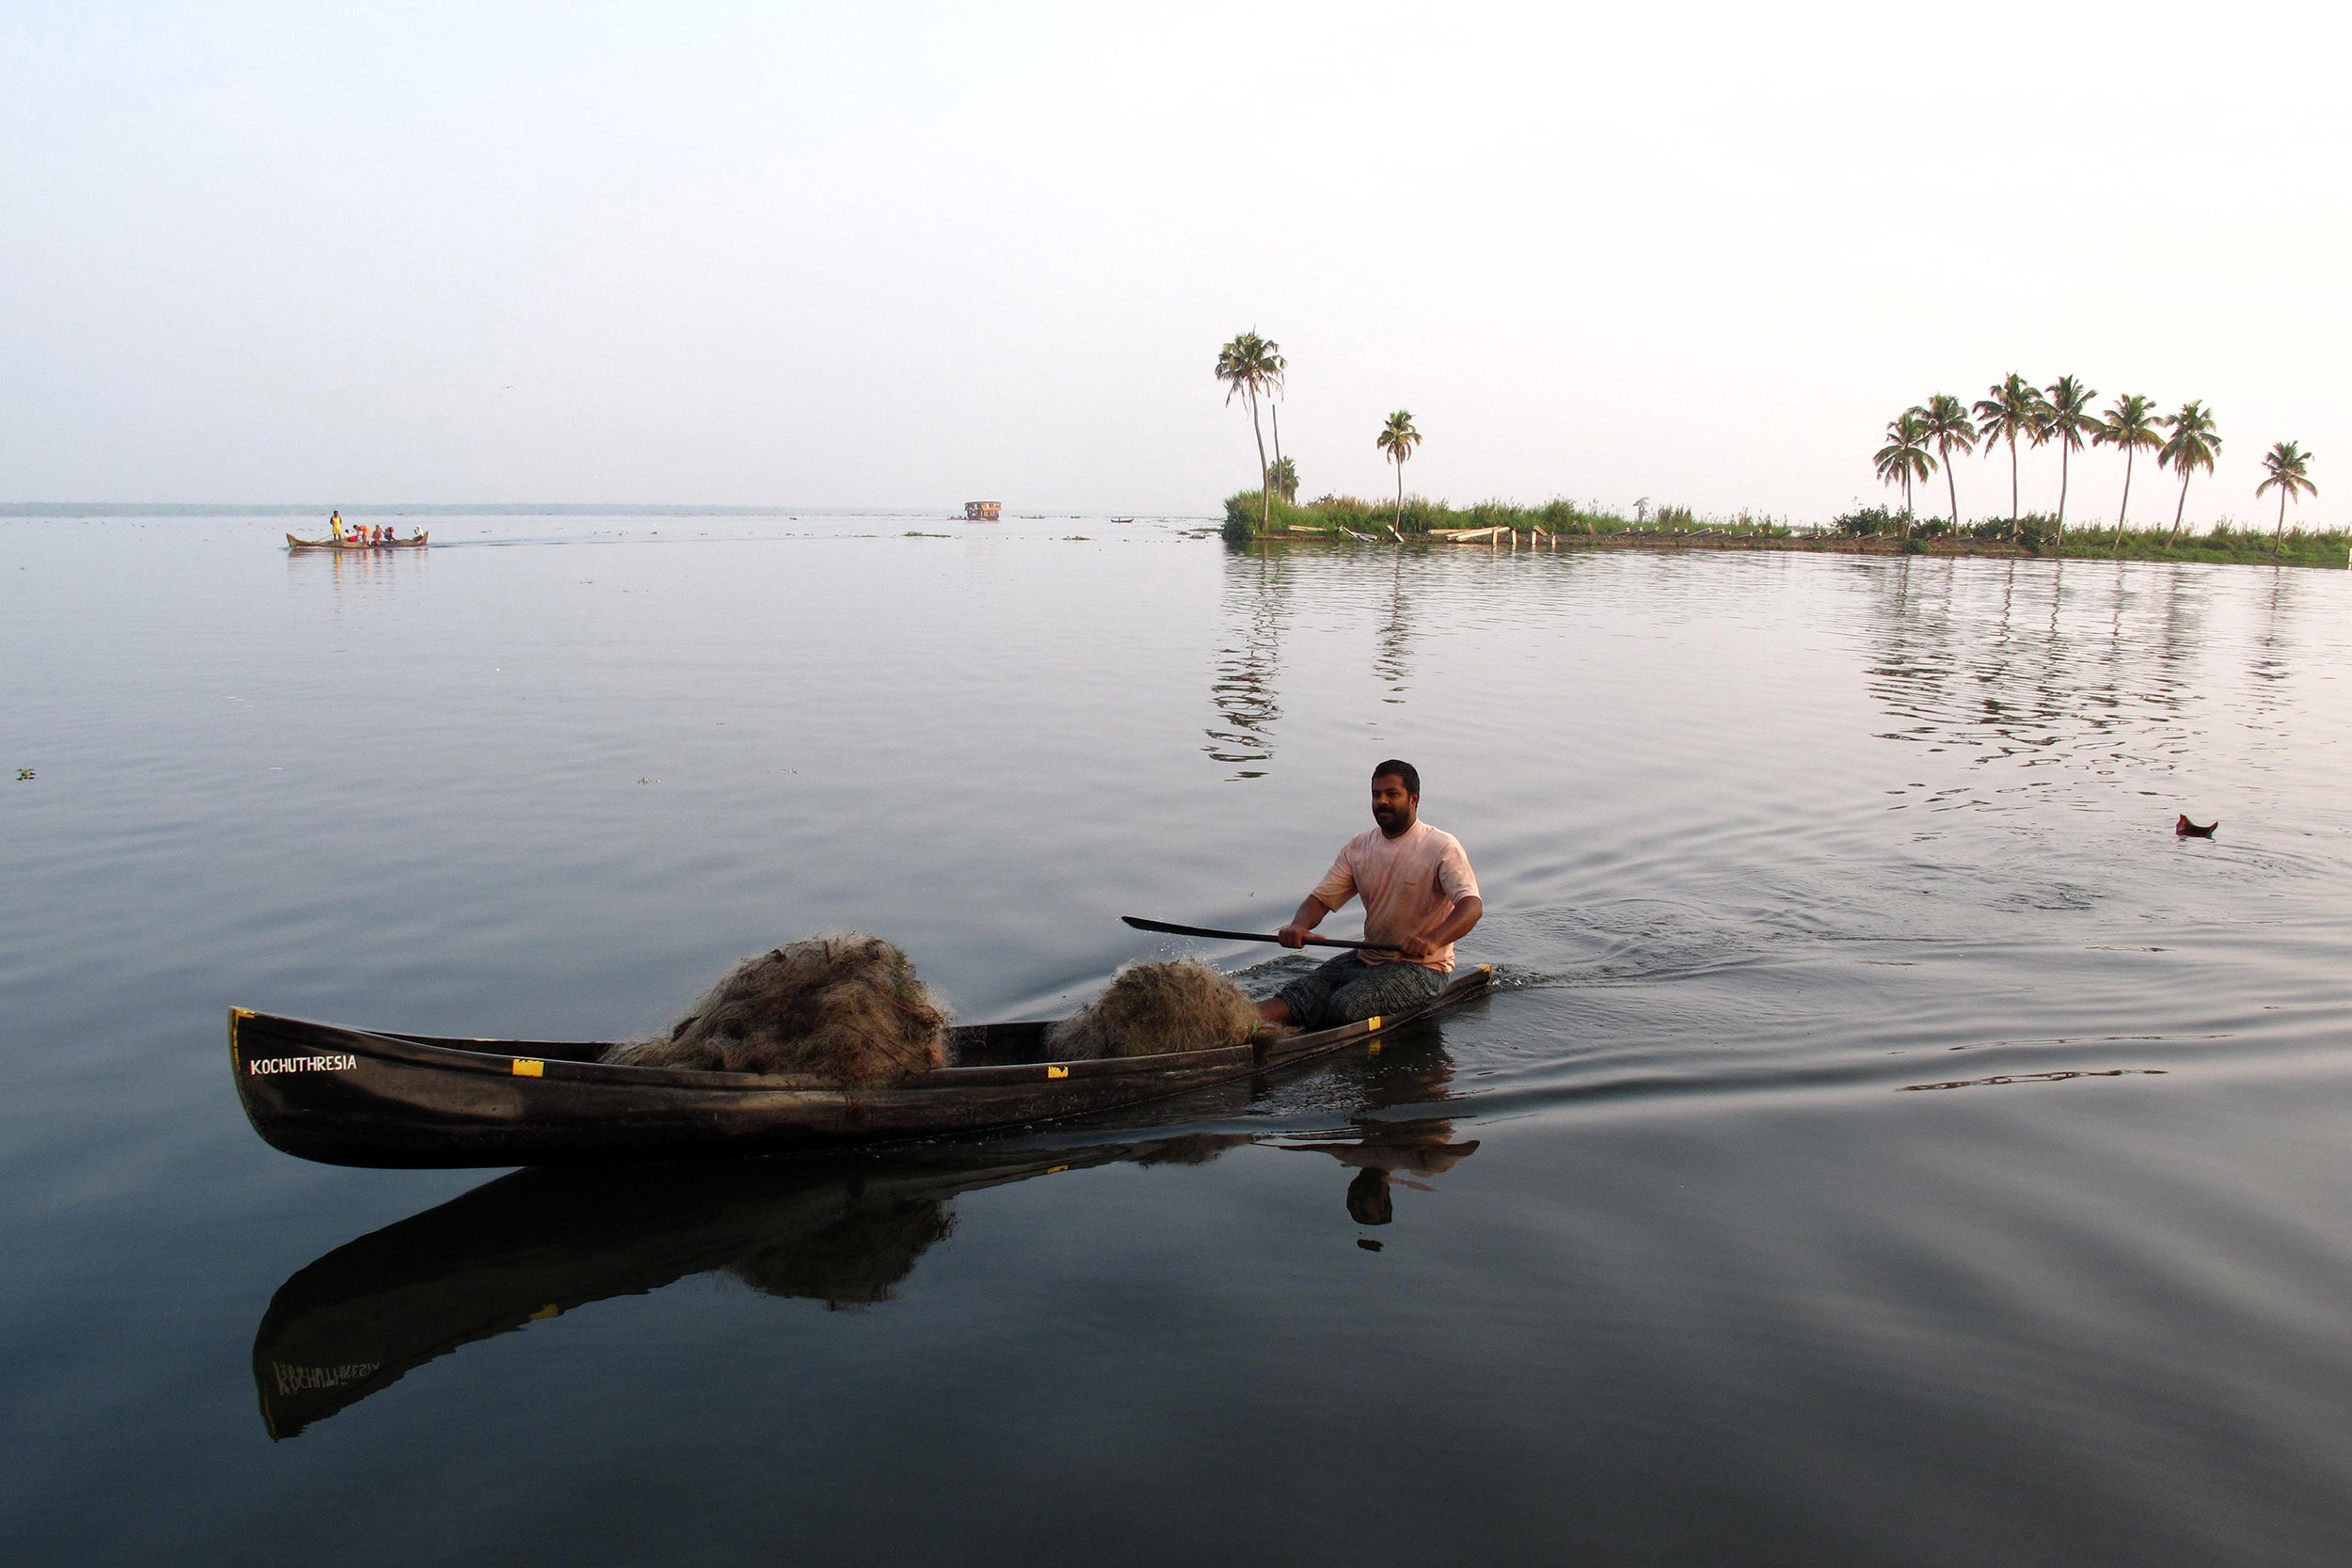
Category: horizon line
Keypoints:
(280, 509)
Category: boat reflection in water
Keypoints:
(538, 1243)
(843, 1229)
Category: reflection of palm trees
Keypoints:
(1395, 638)
(1243, 690)
(2270, 668)
(2090, 685)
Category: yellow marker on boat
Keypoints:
(526, 1068)
(1056, 1072)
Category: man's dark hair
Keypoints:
(1405, 770)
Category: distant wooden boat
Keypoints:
(982, 511)
(355, 1097)
(417, 542)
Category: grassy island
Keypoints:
(1420, 517)
(1874, 531)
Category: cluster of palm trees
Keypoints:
(2013, 409)
(1252, 367)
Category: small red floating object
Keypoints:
(2186, 829)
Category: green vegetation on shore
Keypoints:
(2036, 533)
(1873, 529)
(1417, 516)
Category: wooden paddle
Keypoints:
(1142, 925)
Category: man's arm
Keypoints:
(1453, 927)
(1311, 912)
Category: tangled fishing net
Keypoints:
(1155, 1007)
(847, 1007)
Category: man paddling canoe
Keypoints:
(1420, 897)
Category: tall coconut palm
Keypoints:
(2289, 468)
(1398, 438)
(2130, 424)
(1905, 457)
(2193, 445)
(2070, 419)
(1251, 368)
(2012, 407)
(1944, 419)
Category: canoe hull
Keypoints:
(419, 542)
(350, 1097)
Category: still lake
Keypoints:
(1889, 1143)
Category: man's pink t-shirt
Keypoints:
(1405, 882)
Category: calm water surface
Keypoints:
(1890, 1144)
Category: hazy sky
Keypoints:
(905, 254)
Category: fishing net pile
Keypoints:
(1155, 1007)
(847, 1007)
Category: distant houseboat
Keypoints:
(982, 511)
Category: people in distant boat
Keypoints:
(335, 524)
(1420, 896)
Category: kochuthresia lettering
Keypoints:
(337, 1062)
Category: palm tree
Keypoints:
(1251, 367)
(2192, 444)
(1944, 421)
(2289, 468)
(1284, 475)
(1398, 438)
(1904, 458)
(2131, 424)
(2070, 419)
(2012, 407)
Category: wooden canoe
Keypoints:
(419, 542)
(355, 1097)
